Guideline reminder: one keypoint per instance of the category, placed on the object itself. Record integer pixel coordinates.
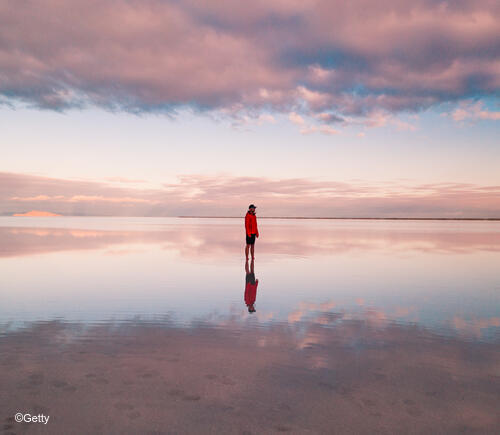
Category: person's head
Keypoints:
(251, 309)
(251, 208)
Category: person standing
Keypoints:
(251, 230)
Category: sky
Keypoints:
(305, 108)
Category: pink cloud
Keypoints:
(307, 128)
(36, 213)
(119, 200)
(296, 118)
(307, 57)
(474, 111)
(229, 195)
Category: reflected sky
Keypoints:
(336, 327)
(332, 375)
(441, 275)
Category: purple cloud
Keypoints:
(230, 195)
(331, 59)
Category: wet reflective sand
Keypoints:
(141, 326)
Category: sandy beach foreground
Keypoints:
(332, 375)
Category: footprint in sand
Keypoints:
(327, 385)
(35, 379)
(147, 375)
(414, 411)
(59, 384)
(134, 415)
(368, 402)
(7, 426)
(191, 397)
(380, 376)
(123, 406)
(38, 409)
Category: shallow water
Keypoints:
(113, 325)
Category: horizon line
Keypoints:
(289, 217)
(348, 218)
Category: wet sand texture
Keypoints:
(339, 378)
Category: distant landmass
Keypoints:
(36, 213)
(40, 213)
(351, 218)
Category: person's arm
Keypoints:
(256, 228)
(247, 225)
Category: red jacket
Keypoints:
(251, 224)
(251, 292)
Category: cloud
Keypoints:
(325, 129)
(36, 213)
(403, 126)
(296, 119)
(122, 180)
(227, 195)
(469, 110)
(307, 128)
(21, 193)
(120, 200)
(349, 59)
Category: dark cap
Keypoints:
(252, 206)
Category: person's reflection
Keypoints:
(250, 286)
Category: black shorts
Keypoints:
(251, 239)
(250, 278)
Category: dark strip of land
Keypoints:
(351, 218)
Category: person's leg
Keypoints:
(246, 251)
(251, 250)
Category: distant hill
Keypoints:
(36, 213)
